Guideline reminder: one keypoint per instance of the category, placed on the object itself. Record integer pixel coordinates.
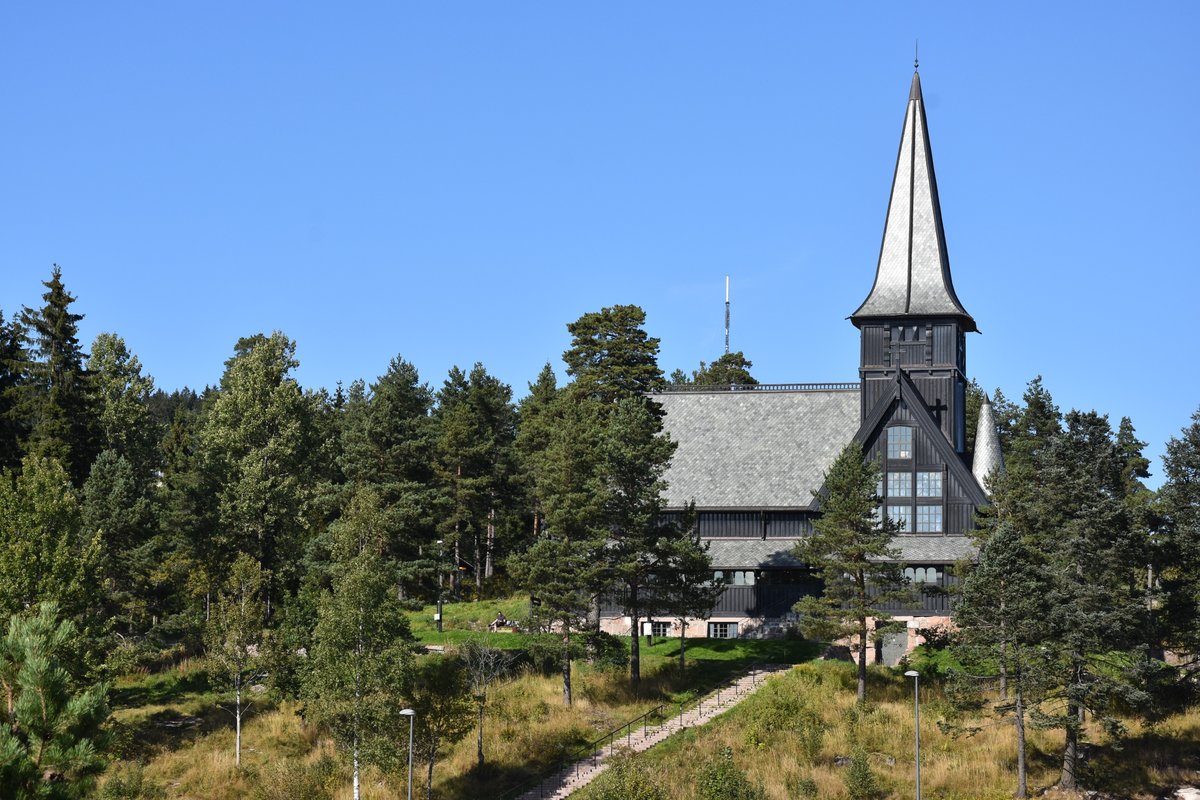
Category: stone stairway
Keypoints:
(638, 738)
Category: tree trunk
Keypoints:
(1019, 721)
(566, 663)
(1070, 749)
(479, 739)
(862, 660)
(635, 651)
(1003, 654)
(355, 757)
(237, 721)
(488, 569)
(429, 777)
(478, 571)
(682, 639)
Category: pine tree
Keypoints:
(1000, 615)
(475, 464)
(360, 661)
(51, 729)
(563, 568)
(635, 456)
(612, 356)
(851, 551)
(731, 369)
(56, 402)
(388, 440)
(234, 636)
(688, 588)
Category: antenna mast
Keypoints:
(726, 315)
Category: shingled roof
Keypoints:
(777, 553)
(913, 275)
(755, 449)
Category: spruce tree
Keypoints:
(14, 361)
(117, 507)
(1178, 553)
(533, 435)
(57, 404)
(851, 552)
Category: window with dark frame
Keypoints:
(722, 630)
(900, 442)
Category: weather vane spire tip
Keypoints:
(916, 54)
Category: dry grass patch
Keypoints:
(771, 736)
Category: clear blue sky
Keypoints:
(453, 182)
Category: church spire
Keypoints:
(913, 275)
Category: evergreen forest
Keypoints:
(334, 556)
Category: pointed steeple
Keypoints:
(913, 275)
(988, 458)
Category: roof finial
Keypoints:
(916, 54)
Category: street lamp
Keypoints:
(408, 712)
(916, 676)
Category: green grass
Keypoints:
(469, 620)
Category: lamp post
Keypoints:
(408, 712)
(916, 676)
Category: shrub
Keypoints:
(292, 779)
(802, 788)
(127, 781)
(861, 783)
(626, 779)
(721, 779)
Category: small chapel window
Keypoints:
(900, 441)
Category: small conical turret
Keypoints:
(988, 458)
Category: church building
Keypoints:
(752, 458)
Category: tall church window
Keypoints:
(929, 484)
(902, 516)
(900, 441)
(929, 519)
(899, 484)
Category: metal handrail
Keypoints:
(591, 751)
(678, 388)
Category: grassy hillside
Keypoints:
(787, 736)
(170, 721)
